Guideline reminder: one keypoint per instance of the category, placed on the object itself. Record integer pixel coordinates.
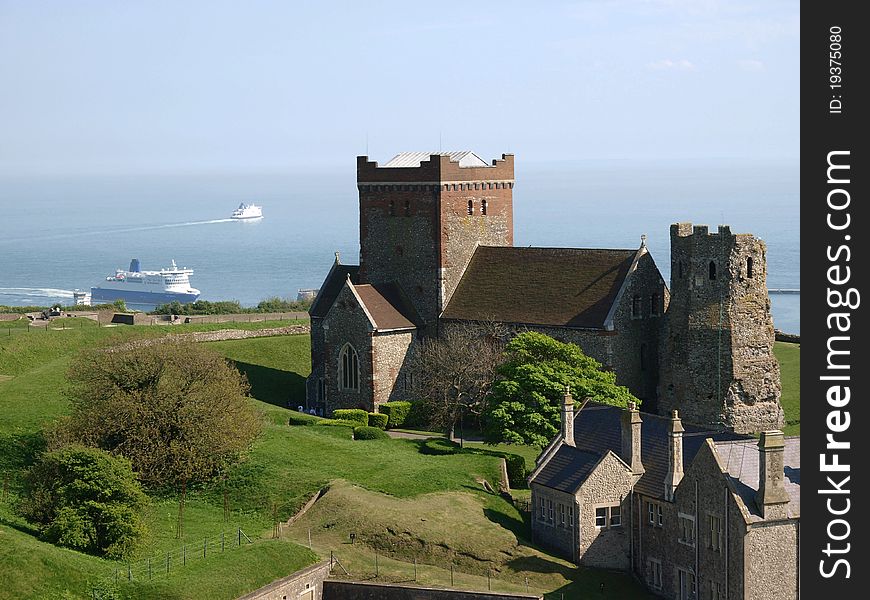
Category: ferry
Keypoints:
(247, 211)
(136, 286)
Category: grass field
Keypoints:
(789, 357)
(429, 502)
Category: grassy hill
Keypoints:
(402, 504)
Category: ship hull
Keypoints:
(105, 295)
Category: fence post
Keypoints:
(204, 547)
(150, 573)
(129, 573)
(309, 538)
(167, 563)
(377, 570)
(184, 554)
(451, 576)
(240, 536)
(222, 541)
(415, 568)
(489, 580)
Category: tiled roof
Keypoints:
(387, 306)
(740, 459)
(566, 287)
(567, 469)
(465, 158)
(331, 287)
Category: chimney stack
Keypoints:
(631, 424)
(675, 455)
(568, 417)
(771, 497)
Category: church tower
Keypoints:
(717, 362)
(423, 214)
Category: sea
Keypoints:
(62, 233)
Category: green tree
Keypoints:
(87, 499)
(525, 404)
(179, 411)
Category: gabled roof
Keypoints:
(331, 287)
(565, 287)
(567, 469)
(740, 459)
(387, 307)
(465, 158)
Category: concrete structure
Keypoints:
(694, 513)
(436, 248)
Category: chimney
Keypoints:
(631, 423)
(675, 455)
(568, 417)
(771, 497)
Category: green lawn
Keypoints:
(789, 357)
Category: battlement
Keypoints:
(437, 170)
(702, 232)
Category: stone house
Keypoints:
(694, 513)
(436, 248)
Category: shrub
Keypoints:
(86, 499)
(297, 418)
(357, 415)
(516, 469)
(377, 420)
(397, 412)
(337, 422)
(369, 433)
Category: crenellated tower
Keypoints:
(423, 214)
(717, 362)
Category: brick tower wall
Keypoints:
(717, 363)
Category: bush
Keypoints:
(357, 415)
(377, 420)
(369, 433)
(297, 418)
(338, 422)
(397, 412)
(516, 469)
(86, 499)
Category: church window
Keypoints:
(470, 207)
(654, 305)
(749, 267)
(392, 208)
(712, 271)
(407, 208)
(349, 368)
(636, 309)
(483, 207)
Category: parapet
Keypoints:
(437, 169)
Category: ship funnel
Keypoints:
(134, 265)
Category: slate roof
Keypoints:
(564, 287)
(598, 428)
(740, 459)
(465, 158)
(567, 469)
(331, 287)
(387, 306)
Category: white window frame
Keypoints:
(687, 585)
(715, 532)
(605, 517)
(715, 590)
(661, 515)
(682, 520)
(651, 512)
(611, 516)
(561, 515)
(571, 516)
(655, 573)
(550, 511)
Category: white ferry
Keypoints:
(146, 287)
(247, 211)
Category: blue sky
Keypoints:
(117, 86)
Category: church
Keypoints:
(436, 248)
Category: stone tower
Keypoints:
(717, 362)
(423, 214)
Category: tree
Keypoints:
(525, 404)
(453, 373)
(179, 411)
(87, 499)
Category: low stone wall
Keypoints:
(246, 317)
(792, 338)
(348, 590)
(306, 584)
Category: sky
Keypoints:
(140, 87)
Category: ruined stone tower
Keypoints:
(717, 362)
(423, 214)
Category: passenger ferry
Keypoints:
(146, 287)
(247, 211)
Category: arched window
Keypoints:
(470, 207)
(712, 271)
(348, 365)
(483, 207)
(749, 267)
(654, 305)
(407, 208)
(392, 208)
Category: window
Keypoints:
(749, 267)
(392, 208)
(654, 573)
(483, 209)
(687, 586)
(470, 207)
(712, 271)
(543, 509)
(715, 533)
(715, 590)
(654, 305)
(660, 514)
(636, 311)
(349, 367)
(550, 510)
(687, 529)
(601, 517)
(561, 515)
(570, 516)
(651, 512)
(616, 516)
(407, 208)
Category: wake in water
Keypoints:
(119, 230)
(19, 292)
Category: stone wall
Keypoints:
(608, 485)
(772, 561)
(390, 353)
(551, 533)
(306, 584)
(346, 590)
(347, 323)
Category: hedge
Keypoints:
(369, 433)
(377, 420)
(297, 418)
(357, 415)
(397, 412)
